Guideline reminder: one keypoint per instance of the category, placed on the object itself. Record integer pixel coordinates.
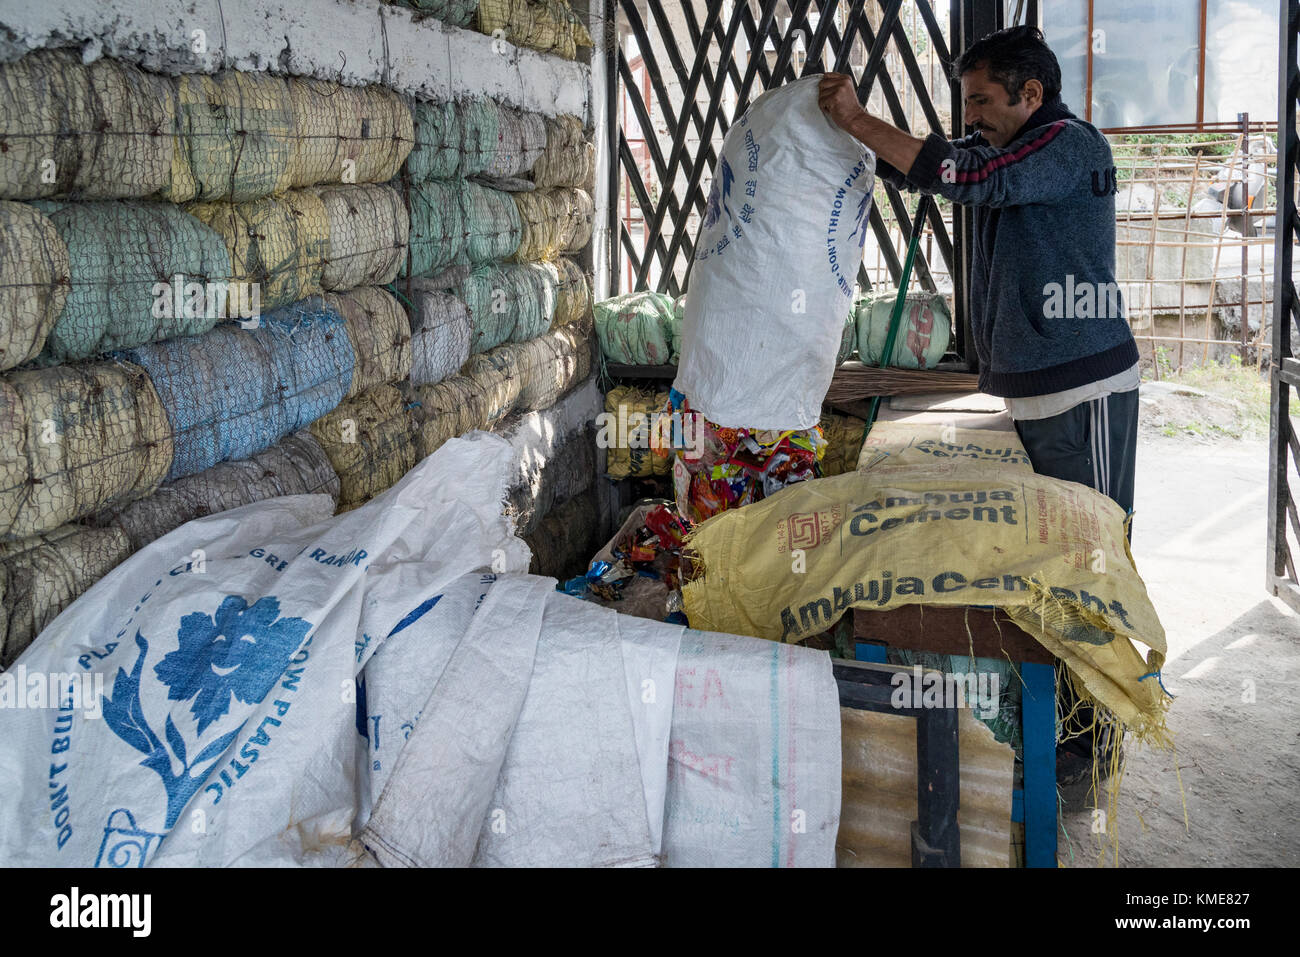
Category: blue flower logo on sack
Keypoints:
(714, 209)
(240, 653)
(860, 230)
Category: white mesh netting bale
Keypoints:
(508, 302)
(33, 281)
(97, 131)
(437, 227)
(348, 134)
(495, 376)
(483, 393)
(42, 575)
(368, 232)
(520, 141)
(492, 223)
(140, 271)
(281, 243)
(573, 296)
(380, 334)
(547, 26)
(74, 439)
(441, 333)
(370, 441)
(568, 158)
(554, 221)
(296, 466)
(236, 137)
(232, 392)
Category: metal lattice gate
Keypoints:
(682, 72)
(1284, 448)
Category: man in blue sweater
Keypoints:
(1046, 317)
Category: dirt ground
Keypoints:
(1233, 667)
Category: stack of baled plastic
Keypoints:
(548, 26)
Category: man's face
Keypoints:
(988, 107)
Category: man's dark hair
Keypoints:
(1013, 56)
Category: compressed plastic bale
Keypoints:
(567, 159)
(438, 137)
(438, 231)
(925, 327)
(635, 328)
(75, 438)
(440, 333)
(368, 232)
(547, 26)
(233, 392)
(280, 243)
(631, 410)
(380, 334)
(370, 441)
(295, 466)
(565, 538)
(95, 131)
(844, 435)
(492, 224)
(348, 134)
(550, 365)
(131, 264)
(520, 142)
(33, 281)
(459, 13)
(237, 137)
(42, 575)
(554, 221)
(508, 302)
(443, 411)
(480, 128)
(848, 341)
(497, 381)
(573, 295)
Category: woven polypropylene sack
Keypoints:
(281, 243)
(635, 328)
(440, 334)
(491, 223)
(573, 297)
(520, 142)
(42, 575)
(371, 443)
(368, 232)
(348, 134)
(628, 453)
(97, 131)
(496, 380)
(548, 26)
(437, 227)
(849, 340)
(567, 472)
(566, 538)
(509, 302)
(232, 392)
(33, 281)
(380, 334)
(236, 137)
(459, 13)
(438, 140)
(75, 438)
(295, 466)
(568, 158)
(924, 328)
(132, 265)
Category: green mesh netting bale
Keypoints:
(568, 158)
(573, 296)
(140, 271)
(97, 131)
(437, 227)
(237, 137)
(567, 472)
(508, 302)
(42, 575)
(368, 232)
(371, 442)
(296, 466)
(555, 220)
(550, 365)
(566, 538)
(635, 328)
(480, 129)
(440, 340)
(849, 338)
(75, 438)
(234, 391)
(520, 142)
(491, 223)
(348, 134)
(547, 26)
(496, 381)
(281, 243)
(33, 281)
(458, 13)
(439, 138)
(380, 334)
